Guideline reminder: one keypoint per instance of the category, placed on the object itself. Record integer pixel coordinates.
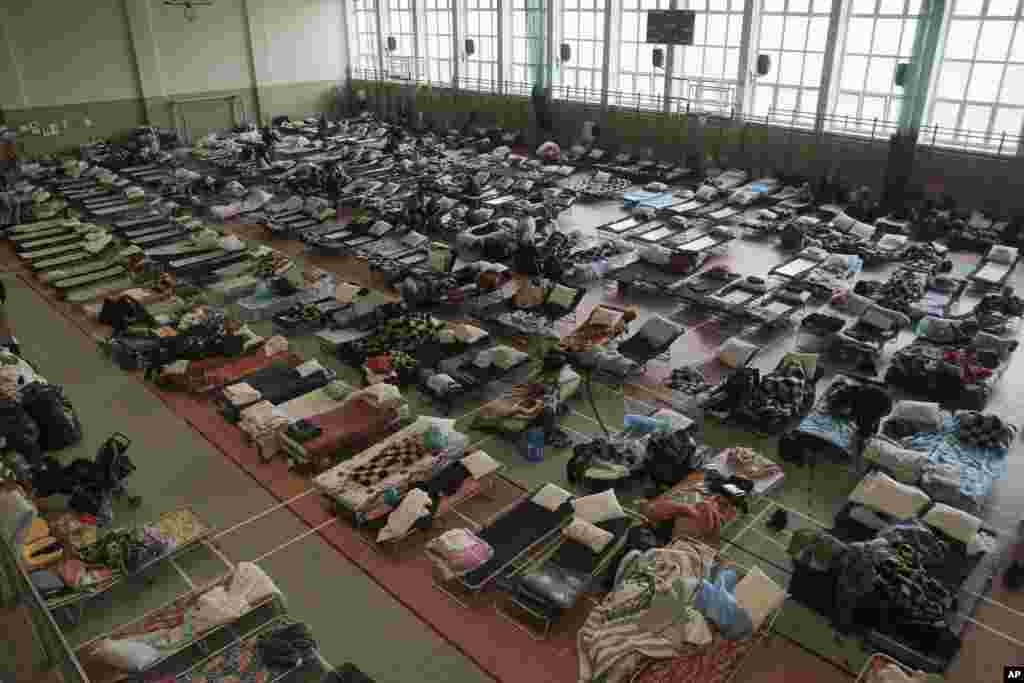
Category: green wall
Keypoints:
(111, 119)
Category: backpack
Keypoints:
(59, 426)
(671, 457)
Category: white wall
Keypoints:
(68, 52)
(210, 53)
(299, 40)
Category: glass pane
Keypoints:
(984, 85)
(799, 6)
(995, 40)
(627, 59)
(854, 73)
(846, 105)
(796, 33)
(629, 27)
(1008, 121)
(735, 28)
(1002, 8)
(962, 37)
(771, 32)
(714, 62)
(700, 30)
(880, 74)
(887, 37)
(763, 100)
(863, 6)
(891, 7)
(791, 68)
(717, 5)
(858, 38)
(970, 8)
(809, 102)
(732, 64)
(718, 27)
(945, 114)
(822, 6)
(976, 119)
(874, 109)
(1017, 53)
(774, 6)
(786, 102)
(812, 69)
(953, 80)
(1013, 85)
(818, 34)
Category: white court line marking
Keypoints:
(184, 576)
(305, 534)
(260, 515)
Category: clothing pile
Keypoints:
(865, 404)
(899, 293)
(892, 573)
(769, 401)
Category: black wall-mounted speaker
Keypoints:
(658, 57)
(764, 64)
(392, 44)
(470, 47)
(565, 52)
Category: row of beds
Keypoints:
(966, 575)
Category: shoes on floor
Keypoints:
(778, 521)
(1014, 576)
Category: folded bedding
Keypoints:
(275, 384)
(357, 422)
(216, 372)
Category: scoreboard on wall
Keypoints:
(671, 26)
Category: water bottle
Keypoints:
(535, 444)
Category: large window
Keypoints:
(792, 33)
(528, 31)
(705, 74)
(978, 98)
(639, 83)
(480, 70)
(439, 34)
(583, 30)
(367, 51)
(879, 35)
(398, 23)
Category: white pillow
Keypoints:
(599, 507)
(927, 417)
(659, 331)
(881, 492)
(562, 296)
(127, 655)
(877, 317)
(551, 497)
(906, 465)
(843, 222)
(310, 367)
(1000, 253)
(862, 230)
(814, 254)
(652, 253)
(952, 522)
(735, 352)
(480, 464)
(759, 596)
(594, 537)
(857, 303)
(892, 242)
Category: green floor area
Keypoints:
(352, 617)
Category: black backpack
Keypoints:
(59, 426)
(672, 457)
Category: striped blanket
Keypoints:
(619, 638)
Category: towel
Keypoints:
(416, 504)
(241, 393)
(16, 516)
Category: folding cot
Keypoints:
(996, 267)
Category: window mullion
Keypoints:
(838, 24)
(381, 33)
(456, 48)
(748, 41)
(610, 40)
(420, 49)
